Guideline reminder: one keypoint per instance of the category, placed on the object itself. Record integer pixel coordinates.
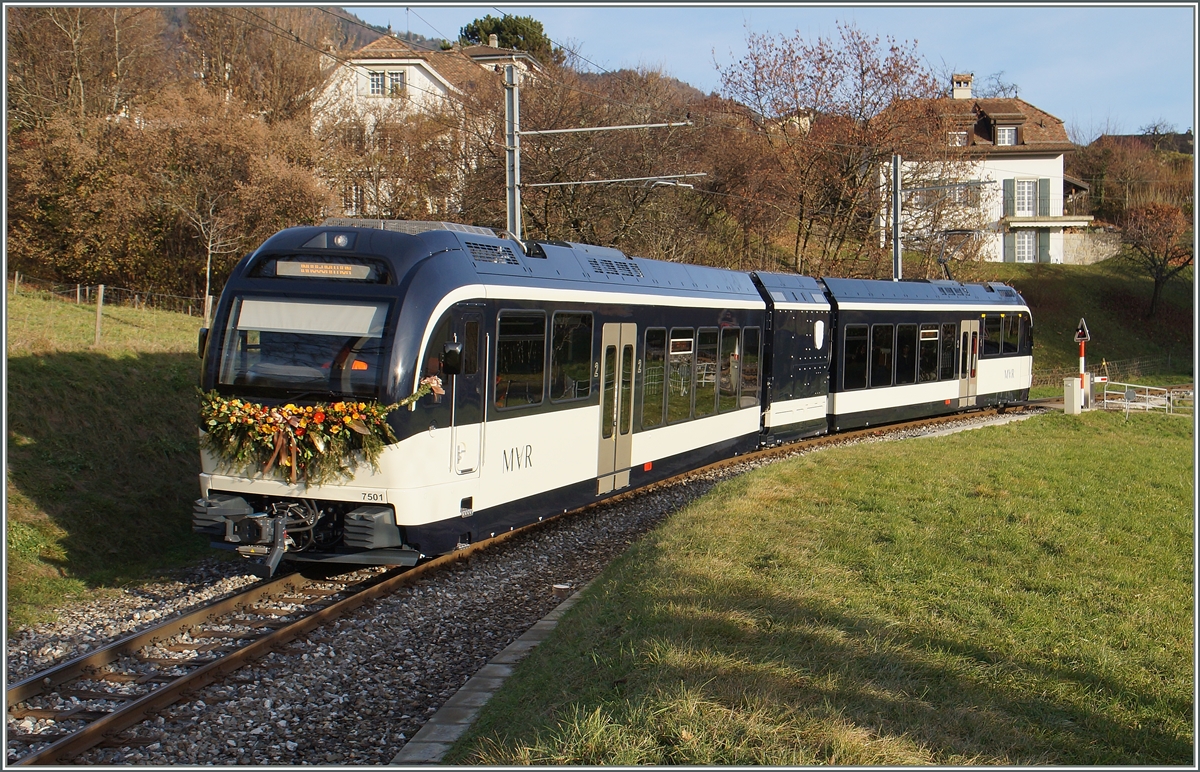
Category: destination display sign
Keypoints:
(322, 270)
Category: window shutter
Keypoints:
(1043, 246)
(1010, 246)
(1044, 197)
(1010, 197)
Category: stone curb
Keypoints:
(454, 718)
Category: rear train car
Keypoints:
(906, 350)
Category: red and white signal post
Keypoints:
(1082, 336)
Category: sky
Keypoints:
(1111, 69)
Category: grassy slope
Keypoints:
(102, 454)
(1114, 302)
(989, 597)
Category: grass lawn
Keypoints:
(1012, 595)
(102, 449)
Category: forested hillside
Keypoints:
(145, 144)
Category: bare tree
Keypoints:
(1161, 244)
(834, 110)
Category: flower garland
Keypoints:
(315, 442)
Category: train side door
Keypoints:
(617, 363)
(968, 365)
(468, 390)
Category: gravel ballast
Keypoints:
(354, 691)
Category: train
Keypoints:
(569, 373)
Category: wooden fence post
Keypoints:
(16, 282)
(99, 308)
(77, 293)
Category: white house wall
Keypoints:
(993, 171)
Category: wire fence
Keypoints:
(1125, 370)
(89, 293)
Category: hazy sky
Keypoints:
(1119, 68)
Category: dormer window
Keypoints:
(1006, 135)
(396, 83)
(958, 139)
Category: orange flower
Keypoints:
(318, 417)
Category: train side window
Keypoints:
(730, 361)
(949, 338)
(854, 371)
(608, 410)
(470, 361)
(520, 358)
(906, 353)
(432, 363)
(882, 350)
(654, 377)
(571, 357)
(706, 372)
(1026, 341)
(751, 358)
(991, 335)
(1012, 333)
(679, 375)
(927, 367)
(626, 389)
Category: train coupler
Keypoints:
(272, 554)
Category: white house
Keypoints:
(1017, 151)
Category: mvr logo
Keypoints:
(518, 458)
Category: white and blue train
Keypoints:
(571, 373)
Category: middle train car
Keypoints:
(572, 372)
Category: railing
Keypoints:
(89, 293)
(1127, 369)
(1129, 396)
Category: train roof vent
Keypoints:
(411, 227)
(615, 268)
(1007, 293)
(954, 290)
(490, 253)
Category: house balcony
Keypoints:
(1063, 221)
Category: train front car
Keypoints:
(570, 373)
(327, 317)
(910, 349)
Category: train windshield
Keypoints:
(280, 346)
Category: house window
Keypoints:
(958, 139)
(396, 83)
(377, 83)
(1026, 198)
(1006, 135)
(1026, 247)
(352, 199)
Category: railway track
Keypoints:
(96, 697)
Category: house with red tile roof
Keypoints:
(1016, 150)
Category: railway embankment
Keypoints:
(1016, 595)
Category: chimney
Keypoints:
(962, 85)
(494, 40)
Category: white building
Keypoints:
(1017, 151)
